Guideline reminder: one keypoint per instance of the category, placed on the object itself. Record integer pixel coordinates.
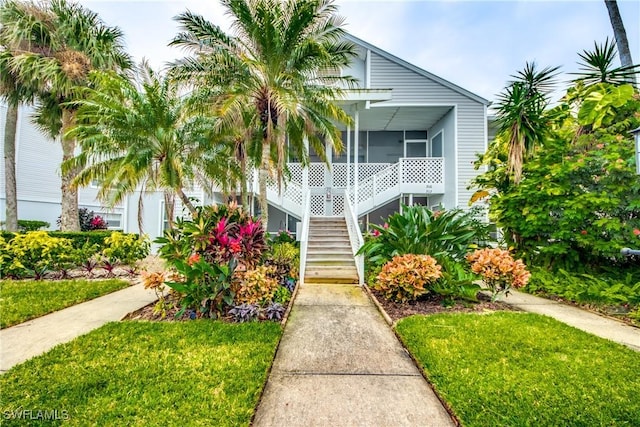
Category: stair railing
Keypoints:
(355, 236)
(304, 233)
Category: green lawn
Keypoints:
(21, 300)
(148, 374)
(521, 369)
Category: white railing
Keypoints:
(379, 183)
(304, 234)
(355, 237)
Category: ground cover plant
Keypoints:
(21, 300)
(512, 368)
(148, 373)
(615, 293)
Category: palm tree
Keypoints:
(53, 48)
(522, 113)
(143, 137)
(597, 66)
(280, 65)
(13, 93)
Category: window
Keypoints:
(114, 220)
(416, 148)
(164, 221)
(437, 145)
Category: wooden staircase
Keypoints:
(329, 255)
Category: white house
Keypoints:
(414, 140)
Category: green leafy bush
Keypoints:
(590, 288)
(36, 252)
(283, 236)
(125, 249)
(282, 295)
(25, 225)
(79, 238)
(205, 288)
(257, 286)
(407, 277)
(418, 230)
(285, 257)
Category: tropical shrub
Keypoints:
(456, 281)
(418, 230)
(80, 238)
(285, 257)
(219, 234)
(124, 249)
(283, 236)
(205, 288)
(407, 277)
(25, 225)
(499, 271)
(256, 286)
(34, 253)
(89, 221)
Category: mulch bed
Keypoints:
(432, 304)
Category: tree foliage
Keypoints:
(578, 202)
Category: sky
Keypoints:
(474, 44)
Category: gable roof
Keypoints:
(416, 69)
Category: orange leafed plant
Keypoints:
(407, 277)
(499, 271)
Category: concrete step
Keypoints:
(331, 275)
(338, 262)
(328, 238)
(342, 251)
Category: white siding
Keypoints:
(38, 159)
(409, 87)
(447, 126)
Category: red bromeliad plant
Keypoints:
(499, 271)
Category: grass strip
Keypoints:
(22, 300)
(145, 374)
(525, 369)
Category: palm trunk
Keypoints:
(169, 204)
(69, 220)
(185, 201)
(263, 175)
(619, 33)
(10, 127)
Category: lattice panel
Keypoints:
(316, 175)
(293, 193)
(338, 204)
(385, 180)
(365, 190)
(339, 175)
(423, 171)
(295, 169)
(366, 170)
(317, 204)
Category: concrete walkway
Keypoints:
(339, 364)
(578, 318)
(26, 340)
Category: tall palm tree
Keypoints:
(522, 113)
(141, 136)
(54, 46)
(280, 64)
(13, 93)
